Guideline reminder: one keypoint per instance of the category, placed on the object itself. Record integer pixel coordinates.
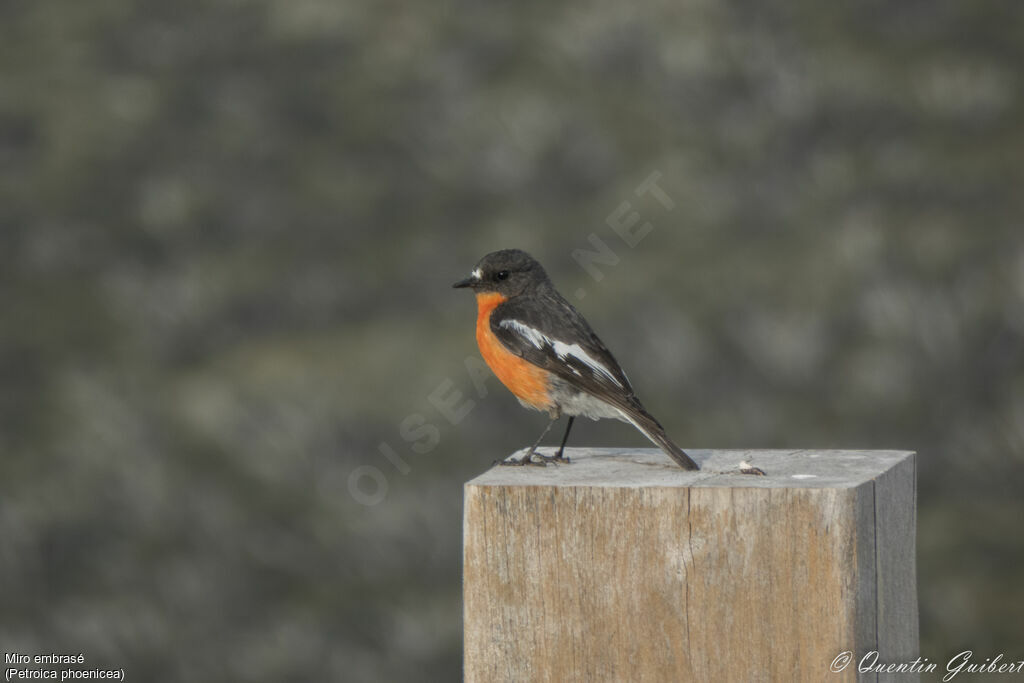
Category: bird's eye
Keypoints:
(501, 275)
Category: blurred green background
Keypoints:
(228, 232)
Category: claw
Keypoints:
(747, 468)
(525, 460)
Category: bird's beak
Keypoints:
(468, 282)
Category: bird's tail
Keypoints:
(653, 430)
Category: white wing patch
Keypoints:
(561, 349)
(535, 337)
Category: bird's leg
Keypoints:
(528, 458)
(558, 456)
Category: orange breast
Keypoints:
(528, 382)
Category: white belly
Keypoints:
(574, 402)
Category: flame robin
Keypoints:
(542, 349)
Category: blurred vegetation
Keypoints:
(228, 231)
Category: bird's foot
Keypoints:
(747, 468)
(525, 460)
(558, 458)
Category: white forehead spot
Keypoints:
(476, 274)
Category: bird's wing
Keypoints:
(551, 334)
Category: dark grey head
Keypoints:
(508, 272)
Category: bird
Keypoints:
(544, 351)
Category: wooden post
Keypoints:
(622, 567)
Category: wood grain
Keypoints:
(622, 567)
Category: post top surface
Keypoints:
(649, 467)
